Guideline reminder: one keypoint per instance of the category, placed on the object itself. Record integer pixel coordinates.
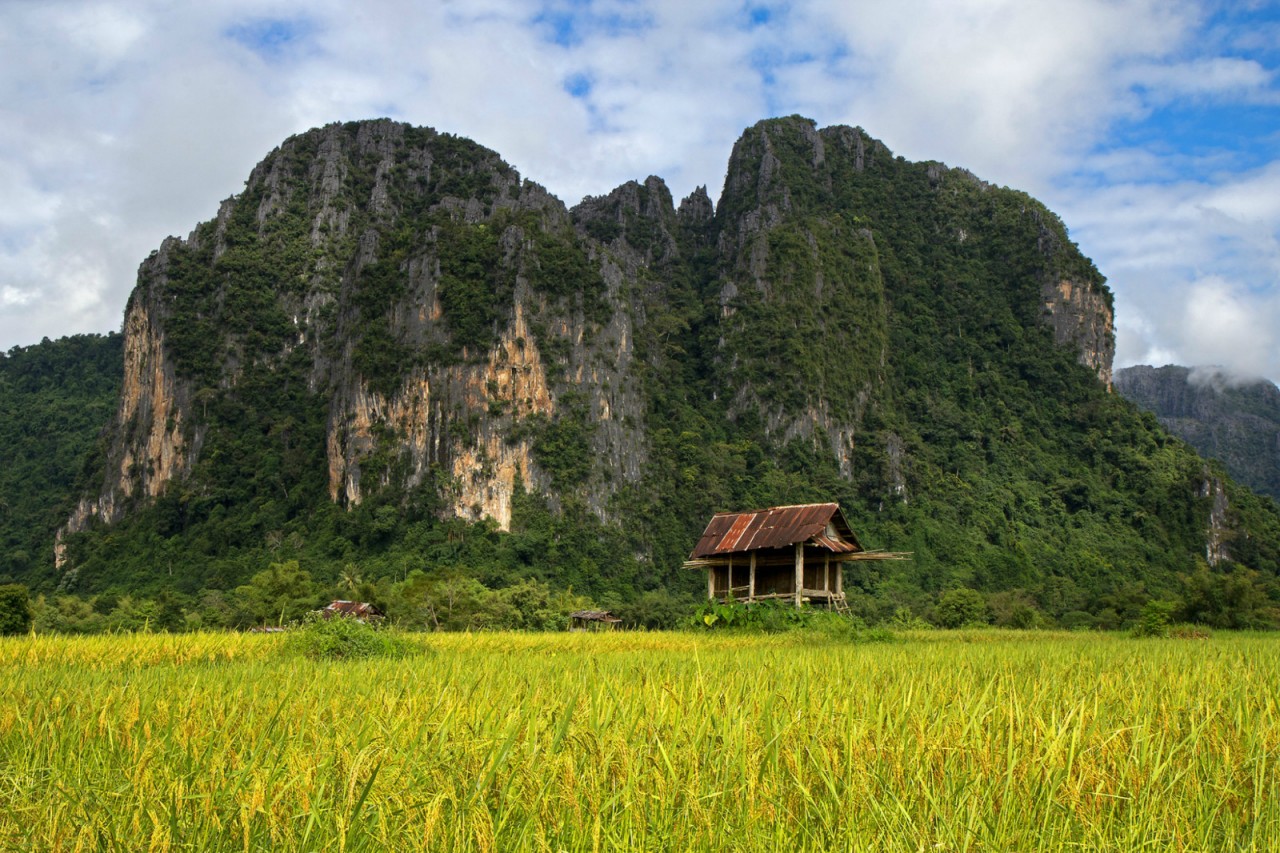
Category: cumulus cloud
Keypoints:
(1195, 266)
(126, 120)
(1211, 76)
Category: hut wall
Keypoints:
(813, 574)
(775, 580)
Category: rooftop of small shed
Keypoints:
(594, 616)
(359, 609)
(777, 527)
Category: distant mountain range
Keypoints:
(1224, 417)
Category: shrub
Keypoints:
(766, 617)
(958, 607)
(1154, 620)
(878, 634)
(341, 638)
(15, 609)
(904, 620)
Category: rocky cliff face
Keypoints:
(153, 441)
(438, 306)
(1227, 418)
(388, 311)
(1081, 317)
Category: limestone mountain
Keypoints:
(392, 350)
(1223, 417)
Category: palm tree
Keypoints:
(350, 579)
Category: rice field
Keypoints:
(950, 741)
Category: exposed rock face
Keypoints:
(1216, 550)
(154, 442)
(151, 411)
(1081, 317)
(1234, 420)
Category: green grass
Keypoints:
(979, 740)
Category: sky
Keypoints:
(1152, 127)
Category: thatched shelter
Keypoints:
(593, 620)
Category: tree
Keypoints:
(15, 609)
(962, 606)
(280, 594)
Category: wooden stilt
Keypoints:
(751, 584)
(799, 571)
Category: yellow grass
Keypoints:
(950, 741)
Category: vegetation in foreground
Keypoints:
(969, 740)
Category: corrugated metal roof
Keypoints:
(359, 609)
(777, 527)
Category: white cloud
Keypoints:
(1014, 91)
(1195, 266)
(122, 122)
(1216, 75)
(1223, 326)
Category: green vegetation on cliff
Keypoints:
(55, 398)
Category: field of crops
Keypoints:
(948, 741)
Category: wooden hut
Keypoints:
(793, 553)
(593, 620)
(359, 610)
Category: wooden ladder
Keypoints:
(841, 605)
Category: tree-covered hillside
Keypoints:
(392, 360)
(55, 399)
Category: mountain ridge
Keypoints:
(390, 331)
(1223, 416)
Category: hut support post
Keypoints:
(826, 573)
(799, 571)
(751, 582)
(728, 590)
(711, 582)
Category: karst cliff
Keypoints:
(391, 317)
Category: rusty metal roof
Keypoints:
(777, 527)
(358, 609)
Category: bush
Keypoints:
(656, 610)
(342, 638)
(879, 634)
(15, 609)
(765, 617)
(959, 607)
(776, 617)
(1154, 620)
(904, 620)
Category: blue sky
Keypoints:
(1151, 126)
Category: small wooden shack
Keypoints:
(794, 553)
(360, 610)
(593, 620)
